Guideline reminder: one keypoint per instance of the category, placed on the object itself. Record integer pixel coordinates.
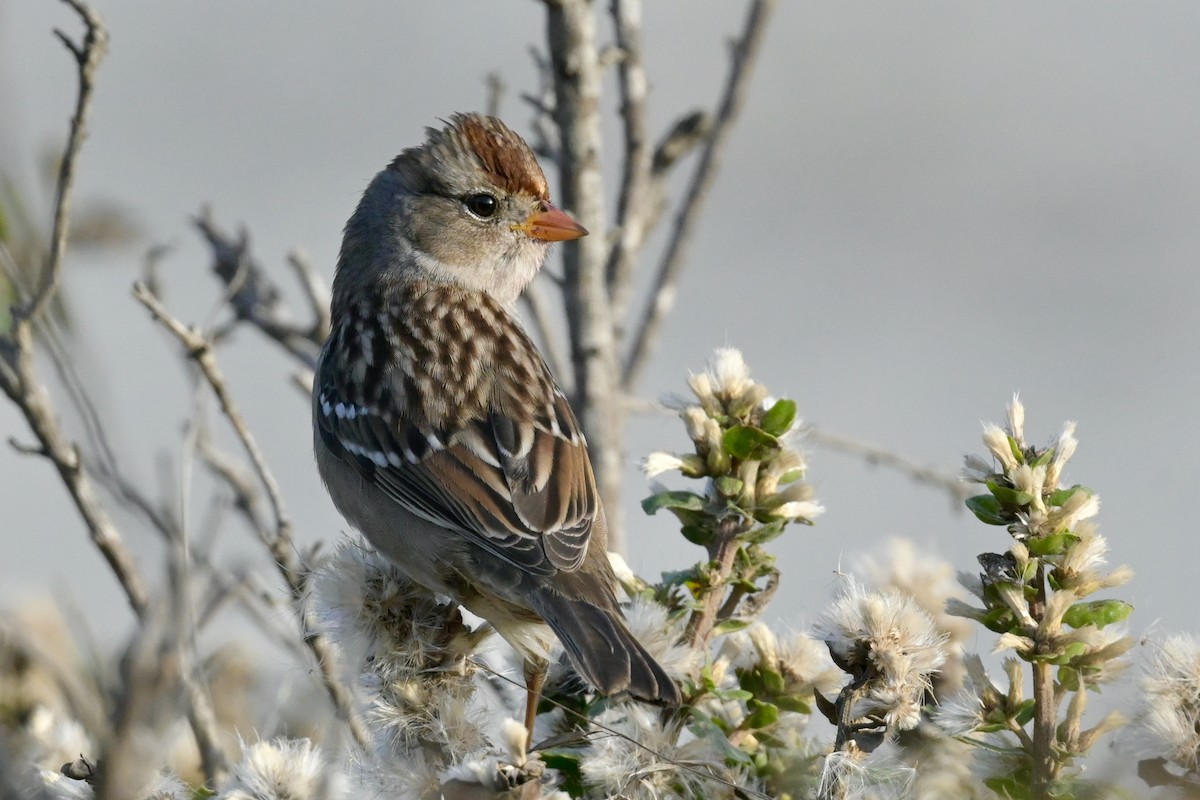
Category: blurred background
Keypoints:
(925, 207)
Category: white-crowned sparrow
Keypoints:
(439, 430)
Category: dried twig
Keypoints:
(632, 203)
(872, 454)
(255, 298)
(279, 538)
(543, 140)
(496, 90)
(745, 52)
(317, 293)
(18, 373)
(571, 33)
(87, 55)
(534, 301)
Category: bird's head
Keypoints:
(468, 207)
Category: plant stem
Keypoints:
(1045, 763)
(723, 549)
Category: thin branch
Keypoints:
(878, 456)
(255, 298)
(19, 380)
(200, 351)
(496, 90)
(543, 140)
(534, 301)
(279, 539)
(745, 52)
(87, 56)
(315, 291)
(632, 211)
(571, 36)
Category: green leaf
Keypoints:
(1053, 545)
(764, 533)
(729, 486)
(779, 418)
(1025, 711)
(762, 715)
(999, 620)
(689, 501)
(697, 534)
(793, 702)
(1009, 496)
(984, 506)
(731, 626)
(567, 763)
(1059, 497)
(1016, 450)
(1017, 786)
(773, 681)
(1097, 612)
(1069, 678)
(1071, 652)
(791, 476)
(748, 442)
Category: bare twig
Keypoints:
(745, 52)
(316, 292)
(571, 33)
(18, 373)
(955, 488)
(255, 298)
(201, 352)
(543, 140)
(534, 301)
(239, 480)
(87, 55)
(19, 380)
(632, 211)
(496, 90)
(279, 539)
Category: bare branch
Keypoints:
(543, 141)
(240, 481)
(317, 293)
(571, 34)
(872, 454)
(688, 132)
(200, 351)
(256, 299)
(535, 302)
(745, 52)
(88, 56)
(496, 90)
(279, 540)
(19, 380)
(632, 203)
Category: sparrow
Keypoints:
(439, 431)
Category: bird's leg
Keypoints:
(535, 677)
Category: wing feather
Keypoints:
(510, 470)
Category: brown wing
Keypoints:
(494, 452)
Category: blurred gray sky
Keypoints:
(925, 207)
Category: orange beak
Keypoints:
(551, 225)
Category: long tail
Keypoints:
(603, 650)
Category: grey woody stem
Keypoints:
(571, 33)
(662, 295)
(279, 538)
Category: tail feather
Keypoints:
(602, 649)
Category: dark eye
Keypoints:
(481, 205)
